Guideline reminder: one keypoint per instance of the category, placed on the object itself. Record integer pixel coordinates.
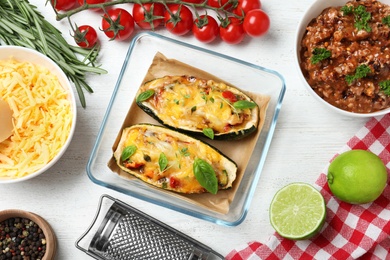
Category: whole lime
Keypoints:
(357, 176)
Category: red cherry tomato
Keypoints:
(149, 15)
(244, 6)
(229, 96)
(233, 32)
(193, 1)
(219, 4)
(85, 36)
(63, 5)
(174, 183)
(91, 2)
(118, 24)
(179, 19)
(205, 28)
(256, 23)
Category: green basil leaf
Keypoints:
(208, 132)
(205, 175)
(244, 104)
(162, 161)
(128, 152)
(145, 95)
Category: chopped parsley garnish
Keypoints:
(385, 86)
(361, 72)
(361, 16)
(386, 20)
(347, 9)
(320, 54)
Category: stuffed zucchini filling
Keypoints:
(200, 106)
(173, 161)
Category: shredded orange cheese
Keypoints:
(42, 117)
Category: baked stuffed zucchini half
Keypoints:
(199, 106)
(172, 160)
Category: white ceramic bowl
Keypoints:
(29, 55)
(312, 12)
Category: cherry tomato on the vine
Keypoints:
(244, 6)
(63, 5)
(219, 4)
(232, 31)
(91, 2)
(118, 24)
(85, 36)
(193, 1)
(149, 15)
(205, 28)
(178, 19)
(256, 23)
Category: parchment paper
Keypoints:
(239, 151)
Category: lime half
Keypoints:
(297, 211)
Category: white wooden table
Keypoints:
(306, 137)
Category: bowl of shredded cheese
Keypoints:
(43, 113)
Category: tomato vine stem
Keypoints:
(223, 9)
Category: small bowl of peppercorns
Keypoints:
(25, 235)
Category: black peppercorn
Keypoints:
(21, 238)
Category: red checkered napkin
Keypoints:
(350, 231)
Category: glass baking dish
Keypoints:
(249, 77)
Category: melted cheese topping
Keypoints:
(178, 175)
(193, 103)
(42, 117)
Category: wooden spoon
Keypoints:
(6, 125)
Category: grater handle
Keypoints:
(83, 236)
(101, 239)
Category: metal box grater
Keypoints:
(125, 233)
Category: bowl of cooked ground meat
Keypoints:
(343, 55)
